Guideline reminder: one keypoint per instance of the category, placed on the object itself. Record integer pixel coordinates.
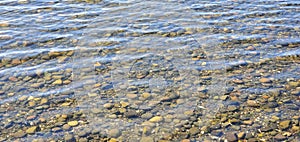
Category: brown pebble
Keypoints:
(185, 140)
(253, 103)
(238, 81)
(279, 137)
(241, 135)
(4, 24)
(250, 48)
(131, 96)
(12, 78)
(19, 134)
(231, 137)
(265, 80)
(16, 62)
(66, 127)
(284, 124)
(32, 117)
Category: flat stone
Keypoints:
(57, 82)
(247, 122)
(69, 138)
(19, 134)
(44, 101)
(131, 114)
(156, 119)
(284, 124)
(73, 123)
(66, 127)
(56, 129)
(194, 131)
(147, 139)
(238, 81)
(231, 137)
(31, 103)
(96, 110)
(131, 96)
(16, 62)
(31, 130)
(108, 105)
(5, 37)
(265, 80)
(252, 103)
(279, 137)
(114, 133)
(82, 133)
(241, 135)
(232, 108)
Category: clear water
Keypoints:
(104, 50)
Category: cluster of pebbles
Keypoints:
(161, 95)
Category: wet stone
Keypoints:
(231, 137)
(265, 80)
(253, 103)
(284, 124)
(115, 133)
(108, 105)
(279, 137)
(156, 119)
(69, 138)
(232, 108)
(147, 139)
(194, 131)
(56, 129)
(66, 127)
(19, 134)
(82, 133)
(73, 123)
(31, 130)
(131, 114)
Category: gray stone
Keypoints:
(114, 133)
(69, 138)
(231, 137)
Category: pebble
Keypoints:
(96, 110)
(248, 122)
(265, 80)
(252, 103)
(114, 133)
(82, 133)
(147, 139)
(108, 105)
(56, 129)
(284, 124)
(69, 138)
(4, 24)
(241, 135)
(232, 108)
(31, 103)
(31, 130)
(73, 123)
(231, 137)
(279, 137)
(238, 81)
(57, 82)
(16, 62)
(66, 127)
(37, 85)
(156, 119)
(44, 101)
(131, 114)
(131, 96)
(19, 134)
(194, 131)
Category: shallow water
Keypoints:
(149, 69)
